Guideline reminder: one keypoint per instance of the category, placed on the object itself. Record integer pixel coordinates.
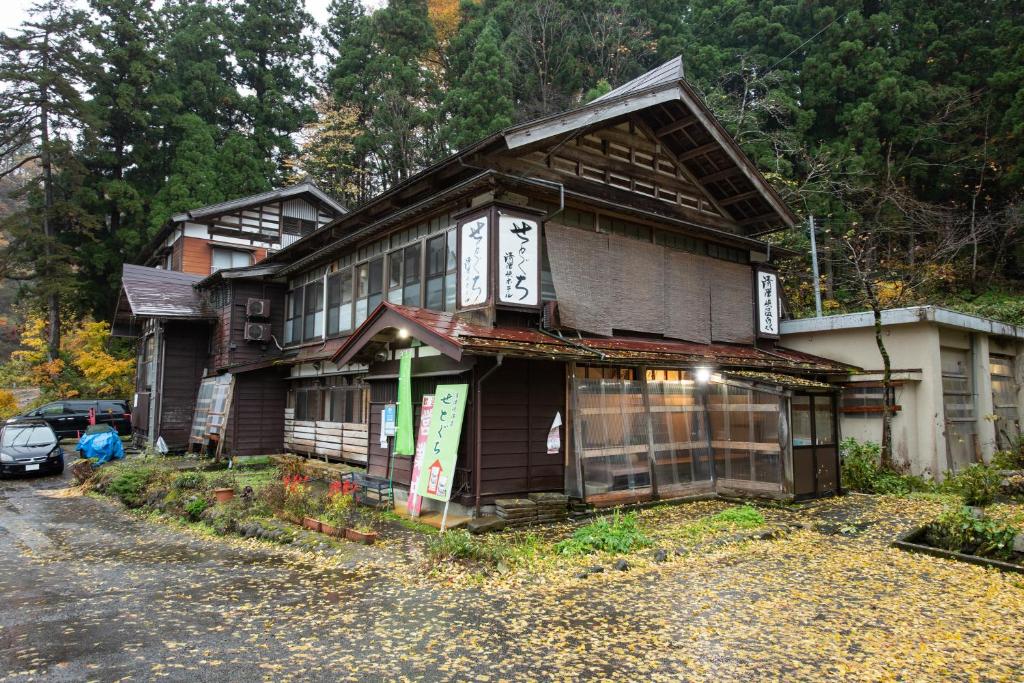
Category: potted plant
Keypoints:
(361, 533)
(337, 509)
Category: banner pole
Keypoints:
(444, 516)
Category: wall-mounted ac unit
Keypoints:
(257, 308)
(257, 332)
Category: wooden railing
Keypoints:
(331, 440)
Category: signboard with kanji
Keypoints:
(437, 471)
(768, 309)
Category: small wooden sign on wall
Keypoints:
(768, 307)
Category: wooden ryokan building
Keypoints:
(603, 265)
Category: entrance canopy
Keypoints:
(453, 337)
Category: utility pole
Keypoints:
(814, 268)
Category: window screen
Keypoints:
(228, 258)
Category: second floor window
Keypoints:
(369, 288)
(229, 258)
(339, 302)
(293, 317)
(441, 270)
(404, 275)
(313, 321)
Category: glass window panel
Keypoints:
(360, 312)
(314, 307)
(376, 277)
(395, 260)
(449, 292)
(362, 279)
(680, 443)
(824, 432)
(333, 303)
(412, 264)
(801, 408)
(435, 293)
(451, 261)
(436, 255)
(612, 436)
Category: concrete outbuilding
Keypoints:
(957, 381)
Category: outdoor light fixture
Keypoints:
(403, 333)
(703, 375)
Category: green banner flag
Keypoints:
(404, 438)
(437, 471)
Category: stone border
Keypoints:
(908, 541)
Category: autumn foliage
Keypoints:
(87, 366)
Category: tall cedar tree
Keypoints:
(40, 71)
(122, 147)
(481, 102)
(275, 66)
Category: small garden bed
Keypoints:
(971, 535)
(261, 502)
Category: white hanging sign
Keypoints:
(473, 241)
(518, 261)
(768, 308)
(555, 435)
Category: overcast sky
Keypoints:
(15, 11)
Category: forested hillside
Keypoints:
(899, 124)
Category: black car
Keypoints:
(70, 418)
(29, 446)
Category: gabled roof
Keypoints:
(663, 103)
(279, 194)
(669, 72)
(159, 293)
(454, 336)
(258, 270)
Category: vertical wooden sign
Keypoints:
(474, 256)
(518, 261)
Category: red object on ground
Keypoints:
(92, 416)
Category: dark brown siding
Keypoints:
(520, 401)
(230, 349)
(256, 421)
(184, 357)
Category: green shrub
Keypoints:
(959, 530)
(459, 544)
(862, 471)
(129, 484)
(1008, 460)
(194, 509)
(977, 484)
(187, 481)
(338, 509)
(618, 534)
(224, 519)
(744, 516)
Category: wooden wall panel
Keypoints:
(519, 403)
(196, 256)
(256, 420)
(184, 358)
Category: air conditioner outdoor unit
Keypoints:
(257, 308)
(257, 332)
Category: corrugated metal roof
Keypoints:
(159, 293)
(480, 339)
(669, 72)
(262, 198)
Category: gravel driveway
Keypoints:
(90, 592)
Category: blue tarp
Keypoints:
(103, 446)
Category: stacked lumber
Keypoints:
(551, 507)
(517, 512)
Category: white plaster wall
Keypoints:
(918, 441)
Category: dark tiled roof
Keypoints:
(159, 293)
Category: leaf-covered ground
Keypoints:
(92, 593)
